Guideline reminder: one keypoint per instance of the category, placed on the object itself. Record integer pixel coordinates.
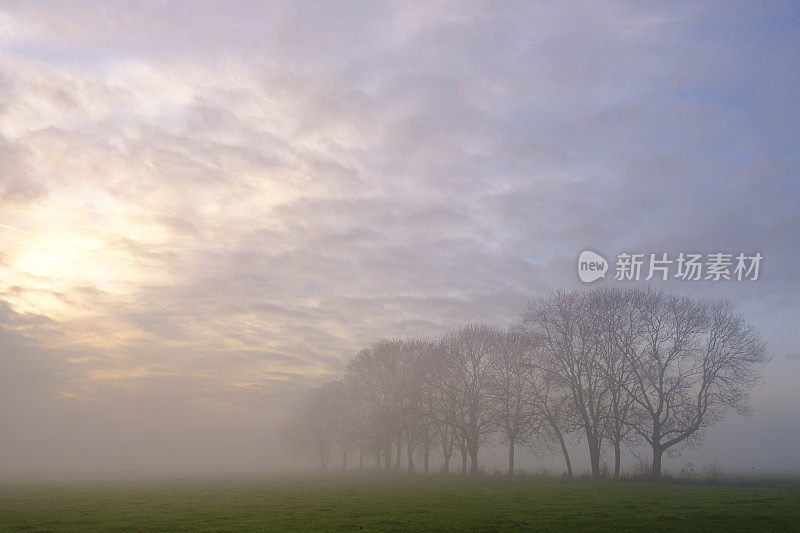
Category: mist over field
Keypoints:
(207, 209)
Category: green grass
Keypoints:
(409, 503)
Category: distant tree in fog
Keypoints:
(693, 362)
(551, 406)
(568, 338)
(470, 353)
(413, 382)
(618, 366)
(614, 311)
(373, 372)
(510, 391)
(313, 426)
(443, 403)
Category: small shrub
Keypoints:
(687, 473)
(713, 474)
(642, 470)
(666, 477)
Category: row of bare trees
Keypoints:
(611, 367)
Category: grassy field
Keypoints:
(410, 503)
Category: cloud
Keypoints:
(224, 203)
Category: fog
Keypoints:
(208, 209)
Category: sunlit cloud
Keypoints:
(216, 206)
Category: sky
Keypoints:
(207, 208)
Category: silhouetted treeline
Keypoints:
(614, 367)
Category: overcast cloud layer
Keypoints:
(206, 208)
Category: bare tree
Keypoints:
(621, 365)
(428, 354)
(695, 360)
(313, 426)
(551, 407)
(361, 421)
(562, 324)
(374, 371)
(414, 374)
(614, 311)
(443, 401)
(470, 352)
(345, 422)
(510, 391)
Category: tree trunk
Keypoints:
(617, 459)
(410, 455)
(397, 458)
(464, 461)
(594, 454)
(511, 458)
(564, 451)
(447, 449)
(387, 456)
(473, 460)
(656, 466)
(344, 460)
(427, 455)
